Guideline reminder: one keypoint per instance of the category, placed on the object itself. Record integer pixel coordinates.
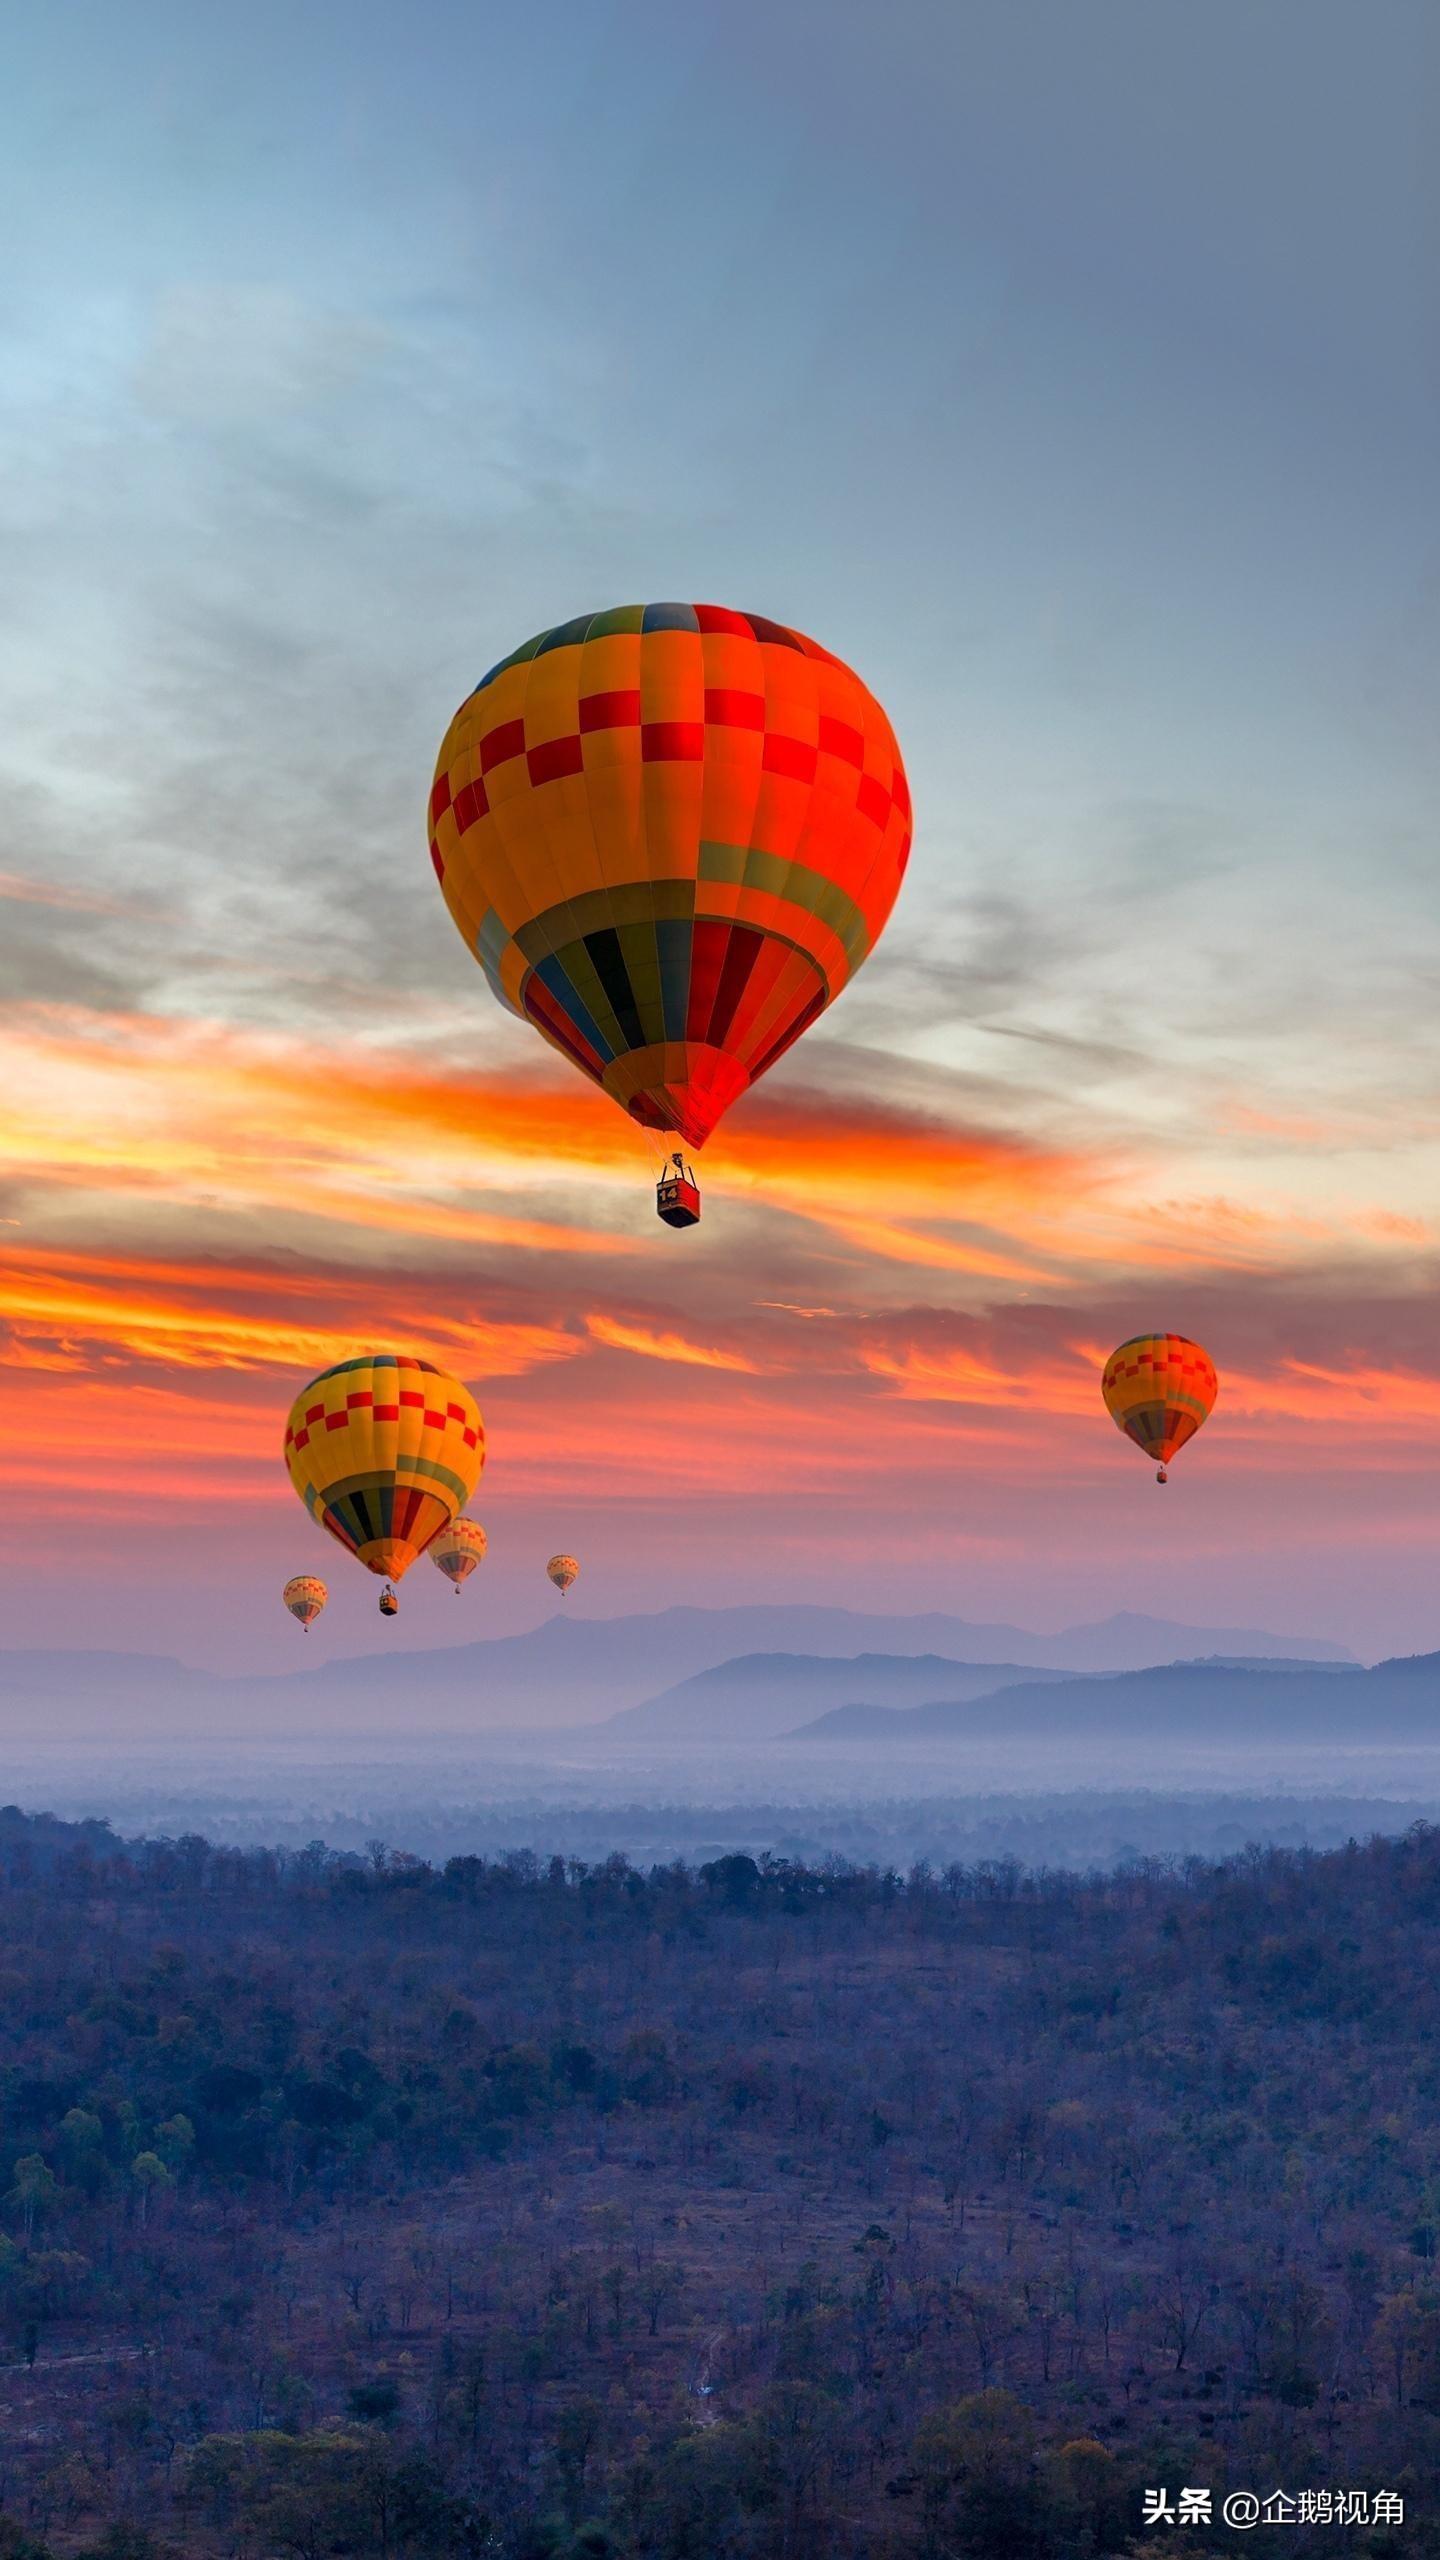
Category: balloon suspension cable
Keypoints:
(665, 1157)
(657, 1146)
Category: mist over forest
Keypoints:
(882, 2103)
(808, 1734)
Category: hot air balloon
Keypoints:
(383, 1452)
(670, 834)
(458, 1549)
(563, 1570)
(1158, 1389)
(305, 1596)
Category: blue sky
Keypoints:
(1073, 371)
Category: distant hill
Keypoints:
(1129, 1641)
(569, 1672)
(1186, 1703)
(761, 1694)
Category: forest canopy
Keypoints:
(551, 2209)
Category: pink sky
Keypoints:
(871, 1375)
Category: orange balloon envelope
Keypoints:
(305, 1596)
(563, 1570)
(670, 834)
(383, 1452)
(1158, 1389)
(458, 1549)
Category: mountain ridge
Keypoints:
(1397, 1700)
(568, 1674)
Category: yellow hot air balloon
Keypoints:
(305, 1596)
(383, 1452)
(563, 1570)
(458, 1549)
(670, 834)
(1158, 1389)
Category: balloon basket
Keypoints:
(677, 1196)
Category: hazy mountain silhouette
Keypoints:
(570, 1671)
(1186, 1703)
(762, 1694)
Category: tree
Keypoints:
(175, 2142)
(1187, 2298)
(578, 2432)
(33, 2190)
(1406, 2346)
(151, 2179)
(377, 2403)
(980, 2490)
(660, 2285)
(82, 2148)
(703, 2495)
(1090, 2497)
(734, 1879)
(16, 2544)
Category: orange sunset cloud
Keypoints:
(143, 1110)
(960, 1377)
(366, 1196)
(666, 1346)
(176, 1316)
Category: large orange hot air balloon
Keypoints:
(458, 1549)
(383, 1452)
(670, 834)
(1158, 1389)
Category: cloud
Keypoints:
(193, 1114)
(1318, 1367)
(36, 963)
(125, 1451)
(372, 1149)
(619, 1336)
(1296, 1369)
(238, 353)
(77, 1310)
(53, 893)
(961, 1376)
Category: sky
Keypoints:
(1075, 375)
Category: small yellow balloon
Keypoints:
(563, 1570)
(305, 1596)
(1158, 1390)
(458, 1549)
